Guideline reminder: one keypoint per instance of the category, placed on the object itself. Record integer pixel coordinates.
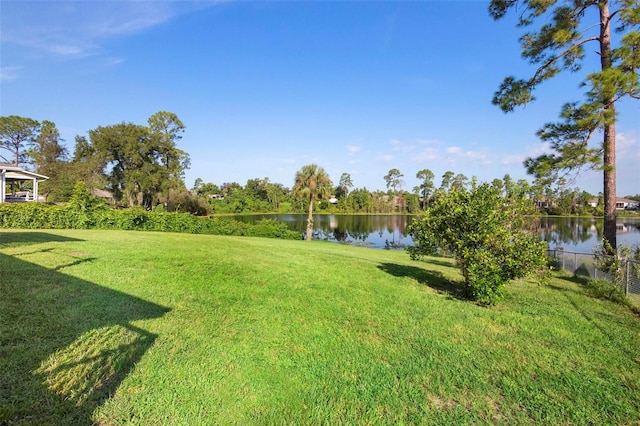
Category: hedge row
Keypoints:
(70, 216)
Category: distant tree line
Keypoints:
(262, 196)
(141, 165)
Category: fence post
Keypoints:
(627, 277)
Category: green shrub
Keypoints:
(487, 235)
(84, 213)
(603, 289)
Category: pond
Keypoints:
(389, 231)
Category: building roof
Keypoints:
(14, 172)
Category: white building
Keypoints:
(10, 175)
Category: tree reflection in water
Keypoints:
(389, 231)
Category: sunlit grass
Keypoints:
(187, 329)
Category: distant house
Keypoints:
(543, 203)
(621, 203)
(627, 204)
(10, 179)
(106, 195)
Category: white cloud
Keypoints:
(115, 60)
(8, 73)
(352, 149)
(124, 17)
(628, 145)
(428, 154)
(386, 158)
(429, 142)
(73, 29)
(531, 152)
(469, 157)
(454, 150)
(401, 146)
(512, 160)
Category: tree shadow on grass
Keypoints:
(574, 279)
(446, 264)
(66, 344)
(435, 280)
(22, 238)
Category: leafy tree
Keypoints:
(426, 187)
(257, 188)
(522, 188)
(205, 189)
(47, 151)
(142, 162)
(16, 133)
(447, 180)
(497, 183)
(186, 202)
(229, 188)
(486, 234)
(460, 181)
(197, 184)
(311, 183)
(361, 200)
(560, 43)
(124, 150)
(344, 185)
(412, 203)
(508, 184)
(276, 193)
(86, 165)
(166, 130)
(49, 158)
(394, 180)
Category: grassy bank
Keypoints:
(119, 327)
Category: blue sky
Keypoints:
(267, 87)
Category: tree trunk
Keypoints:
(609, 143)
(610, 186)
(310, 219)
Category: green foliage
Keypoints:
(143, 162)
(186, 202)
(426, 187)
(394, 180)
(16, 133)
(344, 185)
(486, 233)
(48, 157)
(624, 262)
(312, 183)
(86, 212)
(602, 289)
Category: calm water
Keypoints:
(573, 234)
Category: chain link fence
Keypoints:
(584, 265)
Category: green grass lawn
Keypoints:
(136, 328)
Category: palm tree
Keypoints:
(312, 182)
